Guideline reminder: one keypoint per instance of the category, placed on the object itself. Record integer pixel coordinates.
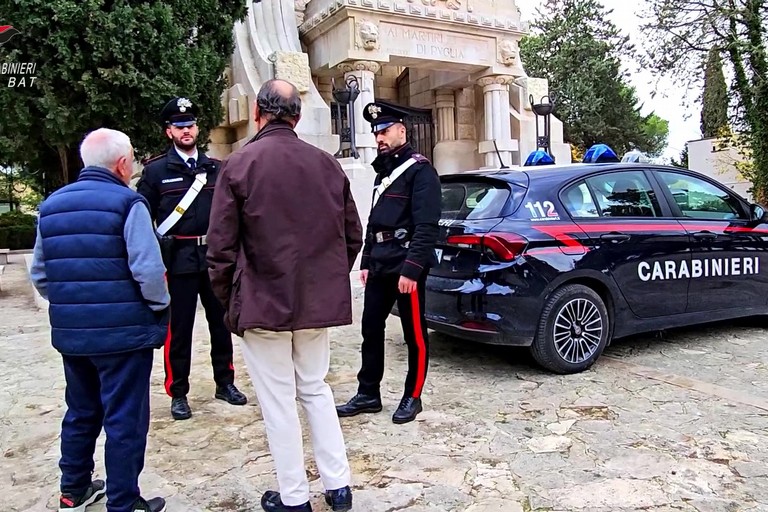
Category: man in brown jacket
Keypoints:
(285, 237)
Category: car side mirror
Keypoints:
(756, 213)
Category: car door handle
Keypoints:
(615, 238)
(705, 235)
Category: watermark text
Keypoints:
(18, 74)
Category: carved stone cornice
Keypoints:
(300, 7)
(359, 65)
(443, 10)
(495, 80)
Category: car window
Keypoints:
(699, 199)
(578, 201)
(624, 194)
(473, 200)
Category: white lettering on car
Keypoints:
(714, 267)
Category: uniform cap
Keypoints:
(382, 115)
(539, 157)
(179, 112)
(600, 153)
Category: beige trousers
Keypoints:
(285, 366)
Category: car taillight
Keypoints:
(477, 325)
(504, 246)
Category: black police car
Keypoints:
(565, 258)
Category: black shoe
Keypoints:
(153, 505)
(180, 409)
(339, 500)
(231, 394)
(71, 503)
(358, 404)
(271, 502)
(407, 411)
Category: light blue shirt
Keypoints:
(185, 156)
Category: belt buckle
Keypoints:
(379, 237)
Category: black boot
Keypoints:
(180, 409)
(407, 411)
(340, 500)
(230, 394)
(358, 404)
(271, 502)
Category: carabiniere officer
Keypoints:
(398, 252)
(179, 188)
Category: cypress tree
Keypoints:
(714, 111)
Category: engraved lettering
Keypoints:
(433, 45)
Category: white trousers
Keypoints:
(285, 366)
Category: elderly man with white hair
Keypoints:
(97, 261)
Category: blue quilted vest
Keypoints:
(96, 307)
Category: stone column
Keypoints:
(445, 103)
(450, 155)
(497, 120)
(364, 71)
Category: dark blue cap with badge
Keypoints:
(179, 112)
(382, 115)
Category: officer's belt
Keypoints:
(200, 240)
(386, 236)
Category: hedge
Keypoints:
(17, 230)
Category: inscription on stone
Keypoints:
(428, 44)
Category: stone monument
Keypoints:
(458, 59)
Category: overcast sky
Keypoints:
(668, 102)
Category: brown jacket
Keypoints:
(284, 235)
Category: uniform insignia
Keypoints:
(183, 104)
(419, 157)
(373, 111)
(152, 158)
(172, 180)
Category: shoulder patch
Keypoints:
(420, 158)
(153, 158)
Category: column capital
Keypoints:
(445, 98)
(495, 80)
(351, 66)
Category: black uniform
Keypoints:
(165, 180)
(400, 240)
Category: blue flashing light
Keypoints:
(539, 157)
(600, 153)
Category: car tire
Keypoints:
(582, 343)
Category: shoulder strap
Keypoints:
(186, 201)
(387, 181)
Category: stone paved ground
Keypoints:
(673, 423)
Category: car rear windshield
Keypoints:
(467, 200)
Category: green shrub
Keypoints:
(17, 230)
(17, 218)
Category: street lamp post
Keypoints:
(346, 96)
(543, 109)
(9, 185)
